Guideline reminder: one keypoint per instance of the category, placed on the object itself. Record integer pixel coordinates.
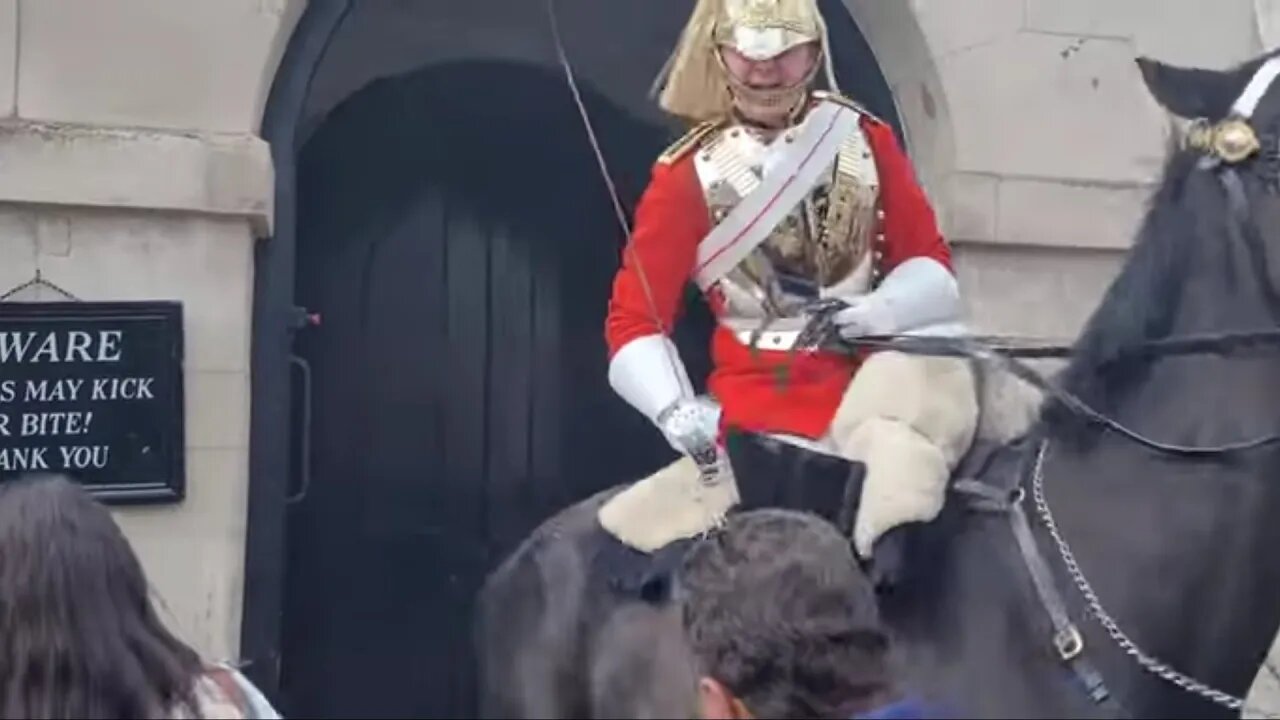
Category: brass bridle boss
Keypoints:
(1231, 140)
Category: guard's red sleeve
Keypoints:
(910, 226)
(670, 220)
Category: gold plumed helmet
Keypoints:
(694, 85)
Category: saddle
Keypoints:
(772, 473)
(775, 474)
(659, 517)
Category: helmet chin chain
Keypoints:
(776, 101)
(773, 98)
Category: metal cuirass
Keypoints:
(825, 247)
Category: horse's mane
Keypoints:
(1142, 302)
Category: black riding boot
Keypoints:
(772, 473)
(889, 564)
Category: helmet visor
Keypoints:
(764, 43)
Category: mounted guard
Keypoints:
(783, 197)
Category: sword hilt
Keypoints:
(707, 458)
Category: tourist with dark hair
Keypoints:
(783, 624)
(81, 638)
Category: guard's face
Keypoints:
(767, 90)
(786, 70)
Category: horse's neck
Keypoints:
(1179, 551)
(1175, 557)
(978, 637)
(972, 630)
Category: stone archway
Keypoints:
(904, 55)
(317, 75)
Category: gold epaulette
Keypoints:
(847, 102)
(689, 142)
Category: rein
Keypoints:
(1008, 353)
(1067, 638)
(998, 351)
(1034, 349)
(1226, 145)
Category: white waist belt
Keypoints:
(781, 334)
(769, 339)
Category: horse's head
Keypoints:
(1194, 93)
(1224, 176)
(1181, 548)
(1207, 256)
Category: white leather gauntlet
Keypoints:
(692, 426)
(649, 374)
(920, 293)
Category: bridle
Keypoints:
(998, 351)
(1224, 144)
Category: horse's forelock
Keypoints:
(1143, 300)
(1187, 238)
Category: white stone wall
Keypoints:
(131, 169)
(1035, 136)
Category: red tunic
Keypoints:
(672, 218)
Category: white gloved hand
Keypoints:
(920, 293)
(866, 315)
(691, 426)
(648, 374)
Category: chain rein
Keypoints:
(1152, 665)
(984, 350)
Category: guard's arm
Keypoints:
(919, 287)
(645, 367)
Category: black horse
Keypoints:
(1150, 522)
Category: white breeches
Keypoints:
(909, 419)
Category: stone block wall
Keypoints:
(1034, 134)
(131, 168)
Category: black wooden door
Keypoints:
(457, 239)
(458, 243)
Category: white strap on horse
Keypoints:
(805, 156)
(1248, 101)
